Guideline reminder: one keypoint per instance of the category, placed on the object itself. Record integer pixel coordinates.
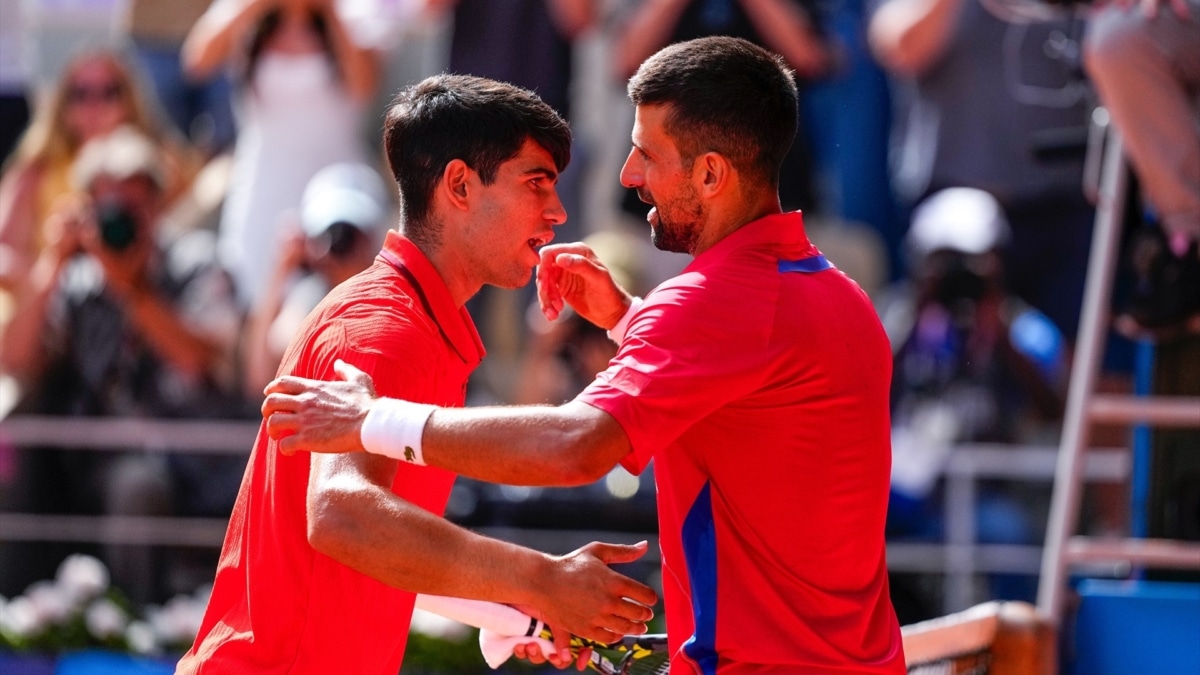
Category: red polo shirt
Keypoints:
(758, 381)
(279, 606)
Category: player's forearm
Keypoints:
(406, 547)
(572, 444)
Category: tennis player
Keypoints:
(757, 380)
(324, 553)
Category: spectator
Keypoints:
(96, 93)
(1144, 59)
(989, 98)
(343, 215)
(973, 363)
(114, 322)
(302, 86)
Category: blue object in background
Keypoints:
(26, 664)
(88, 662)
(1136, 627)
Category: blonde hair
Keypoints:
(47, 138)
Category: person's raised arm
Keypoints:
(908, 36)
(358, 65)
(573, 17)
(647, 29)
(788, 30)
(18, 226)
(354, 518)
(219, 32)
(22, 348)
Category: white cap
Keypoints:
(344, 193)
(959, 219)
(121, 154)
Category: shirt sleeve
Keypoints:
(399, 362)
(687, 352)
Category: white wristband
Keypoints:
(393, 428)
(617, 332)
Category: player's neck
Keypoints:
(726, 218)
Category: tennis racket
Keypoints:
(502, 627)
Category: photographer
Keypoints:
(973, 364)
(113, 322)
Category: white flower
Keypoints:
(201, 596)
(83, 577)
(20, 619)
(51, 603)
(105, 619)
(140, 637)
(179, 621)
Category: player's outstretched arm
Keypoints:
(571, 444)
(354, 518)
(571, 274)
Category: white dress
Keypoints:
(295, 119)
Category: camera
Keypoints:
(118, 228)
(341, 239)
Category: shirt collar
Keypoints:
(783, 232)
(454, 321)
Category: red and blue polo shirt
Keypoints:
(279, 606)
(758, 381)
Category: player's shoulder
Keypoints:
(376, 313)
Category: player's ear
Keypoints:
(455, 182)
(712, 173)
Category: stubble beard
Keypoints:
(678, 227)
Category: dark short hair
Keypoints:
(726, 95)
(482, 122)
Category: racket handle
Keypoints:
(491, 616)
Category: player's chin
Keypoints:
(517, 278)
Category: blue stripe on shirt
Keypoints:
(700, 550)
(816, 263)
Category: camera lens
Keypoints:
(342, 238)
(118, 229)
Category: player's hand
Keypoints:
(319, 416)
(572, 274)
(582, 595)
(532, 653)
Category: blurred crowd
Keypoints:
(182, 188)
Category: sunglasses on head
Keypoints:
(105, 93)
